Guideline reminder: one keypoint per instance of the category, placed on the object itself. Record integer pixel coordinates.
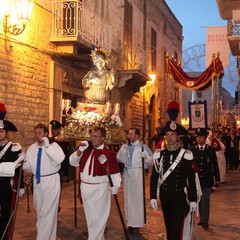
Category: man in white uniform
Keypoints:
(131, 155)
(96, 161)
(43, 160)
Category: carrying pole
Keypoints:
(143, 182)
(119, 209)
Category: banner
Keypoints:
(200, 83)
(197, 115)
(216, 41)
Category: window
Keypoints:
(127, 35)
(164, 28)
(154, 48)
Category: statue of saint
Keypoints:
(99, 80)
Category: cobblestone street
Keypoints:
(224, 218)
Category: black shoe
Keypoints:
(199, 223)
(136, 230)
(205, 226)
(130, 229)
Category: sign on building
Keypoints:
(217, 42)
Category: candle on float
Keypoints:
(107, 108)
(116, 108)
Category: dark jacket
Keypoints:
(206, 161)
(177, 179)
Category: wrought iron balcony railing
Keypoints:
(72, 21)
(233, 29)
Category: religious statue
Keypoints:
(99, 80)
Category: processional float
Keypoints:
(97, 110)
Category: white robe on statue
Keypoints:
(46, 194)
(133, 181)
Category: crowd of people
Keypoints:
(185, 169)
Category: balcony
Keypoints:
(234, 37)
(73, 24)
(230, 10)
(134, 75)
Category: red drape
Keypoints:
(199, 83)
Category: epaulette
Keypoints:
(188, 155)
(157, 153)
(16, 147)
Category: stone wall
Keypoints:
(25, 73)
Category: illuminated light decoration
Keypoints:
(153, 77)
(24, 11)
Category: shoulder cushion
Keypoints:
(16, 147)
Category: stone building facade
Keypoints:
(45, 63)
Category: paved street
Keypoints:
(224, 220)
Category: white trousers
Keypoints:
(96, 204)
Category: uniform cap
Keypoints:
(172, 126)
(56, 124)
(8, 126)
(201, 132)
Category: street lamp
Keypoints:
(24, 12)
(153, 77)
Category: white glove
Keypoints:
(193, 206)
(19, 160)
(83, 145)
(46, 141)
(21, 192)
(114, 190)
(154, 204)
(144, 155)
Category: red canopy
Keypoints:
(199, 83)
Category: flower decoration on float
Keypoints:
(85, 116)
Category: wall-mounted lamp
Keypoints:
(24, 12)
(153, 77)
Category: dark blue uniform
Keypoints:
(206, 161)
(172, 195)
(6, 189)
